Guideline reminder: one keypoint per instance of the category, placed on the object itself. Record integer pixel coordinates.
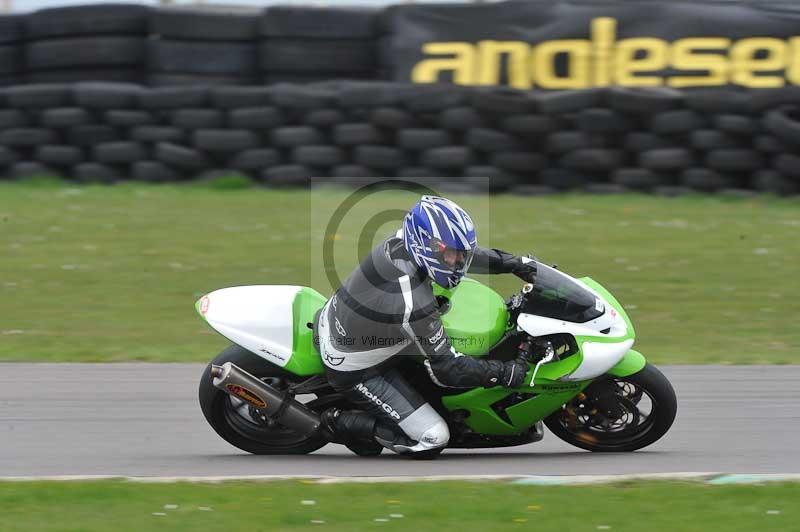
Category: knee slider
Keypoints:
(436, 436)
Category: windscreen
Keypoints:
(557, 296)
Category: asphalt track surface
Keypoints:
(144, 420)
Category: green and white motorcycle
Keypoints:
(265, 392)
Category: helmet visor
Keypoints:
(457, 260)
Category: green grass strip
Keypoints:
(111, 273)
(464, 506)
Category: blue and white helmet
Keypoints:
(440, 236)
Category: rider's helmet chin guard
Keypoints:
(440, 237)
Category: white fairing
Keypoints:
(258, 318)
(598, 357)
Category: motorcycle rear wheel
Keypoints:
(576, 424)
(240, 425)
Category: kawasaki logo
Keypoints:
(371, 396)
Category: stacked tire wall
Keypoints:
(216, 100)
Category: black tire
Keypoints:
(180, 157)
(129, 118)
(433, 98)
(704, 179)
(174, 97)
(639, 141)
(90, 134)
(61, 117)
(567, 141)
(224, 140)
(423, 139)
(208, 81)
(666, 159)
(350, 174)
(192, 119)
(85, 52)
(718, 100)
(206, 23)
(106, 95)
(203, 57)
(319, 22)
(83, 74)
(784, 123)
(636, 178)
(27, 137)
(769, 144)
(10, 118)
(237, 97)
(760, 100)
(116, 19)
(490, 140)
(569, 101)
(371, 94)
(290, 137)
(447, 157)
(324, 118)
(23, 169)
(788, 164)
(562, 179)
(736, 124)
(318, 55)
(119, 152)
(530, 125)
(392, 118)
(7, 156)
(302, 98)
(12, 28)
(521, 162)
(712, 139)
(661, 396)
(357, 135)
(151, 134)
(602, 121)
(502, 101)
(318, 156)
(38, 97)
(380, 157)
(55, 155)
(255, 160)
(676, 122)
(643, 101)
(592, 160)
(489, 179)
(740, 160)
(11, 59)
(95, 173)
(220, 413)
(288, 175)
(153, 172)
(773, 182)
(257, 118)
(460, 119)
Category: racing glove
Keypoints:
(525, 269)
(509, 374)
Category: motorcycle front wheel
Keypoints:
(618, 414)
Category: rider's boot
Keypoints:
(346, 426)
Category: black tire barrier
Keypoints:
(206, 23)
(117, 131)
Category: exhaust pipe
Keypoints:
(236, 382)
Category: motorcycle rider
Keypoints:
(386, 308)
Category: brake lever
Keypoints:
(550, 355)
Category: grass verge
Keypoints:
(464, 506)
(99, 273)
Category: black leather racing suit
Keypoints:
(386, 309)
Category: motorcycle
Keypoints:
(264, 394)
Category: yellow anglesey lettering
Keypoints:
(603, 60)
